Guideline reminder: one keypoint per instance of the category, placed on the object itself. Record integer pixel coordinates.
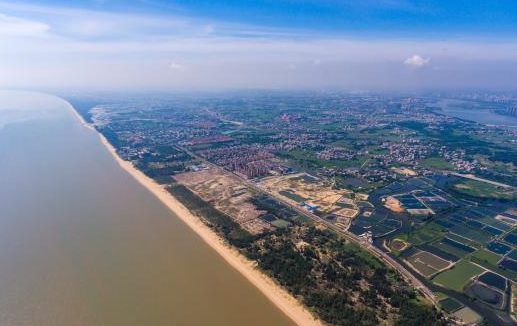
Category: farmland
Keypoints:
(427, 264)
(480, 189)
(457, 277)
(487, 256)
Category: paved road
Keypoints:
(473, 177)
(347, 235)
(363, 243)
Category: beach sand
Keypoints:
(276, 294)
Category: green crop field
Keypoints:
(473, 234)
(281, 223)
(425, 234)
(483, 190)
(436, 163)
(450, 249)
(457, 277)
(460, 239)
(450, 305)
(488, 256)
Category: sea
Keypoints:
(83, 243)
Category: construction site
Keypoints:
(227, 193)
(316, 195)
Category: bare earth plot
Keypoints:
(427, 263)
(468, 315)
(398, 244)
(228, 195)
(315, 192)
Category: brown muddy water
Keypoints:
(82, 243)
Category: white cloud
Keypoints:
(417, 61)
(176, 66)
(209, 29)
(14, 26)
(86, 48)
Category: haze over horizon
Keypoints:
(203, 45)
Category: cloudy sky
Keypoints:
(295, 44)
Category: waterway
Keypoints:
(82, 243)
(465, 111)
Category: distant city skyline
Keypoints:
(372, 45)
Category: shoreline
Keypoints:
(289, 305)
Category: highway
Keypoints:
(376, 252)
(384, 257)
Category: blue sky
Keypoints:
(439, 18)
(187, 44)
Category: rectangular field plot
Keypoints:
(474, 235)
(492, 230)
(486, 294)
(457, 277)
(513, 255)
(509, 215)
(475, 224)
(487, 256)
(438, 205)
(496, 224)
(506, 219)
(433, 201)
(493, 280)
(445, 224)
(474, 214)
(452, 247)
(292, 196)
(410, 202)
(427, 264)
(450, 305)
(467, 315)
(498, 248)
(458, 218)
(425, 234)
(511, 238)
(460, 239)
(458, 245)
(509, 263)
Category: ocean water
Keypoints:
(82, 243)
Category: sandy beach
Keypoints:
(280, 297)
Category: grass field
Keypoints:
(472, 234)
(457, 277)
(460, 239)
(488, 256)
(436, 163)
(450, 305)
(281, 223)
(450, 249)
(425, 234)
(483, 190)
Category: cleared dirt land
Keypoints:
(427, 264)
